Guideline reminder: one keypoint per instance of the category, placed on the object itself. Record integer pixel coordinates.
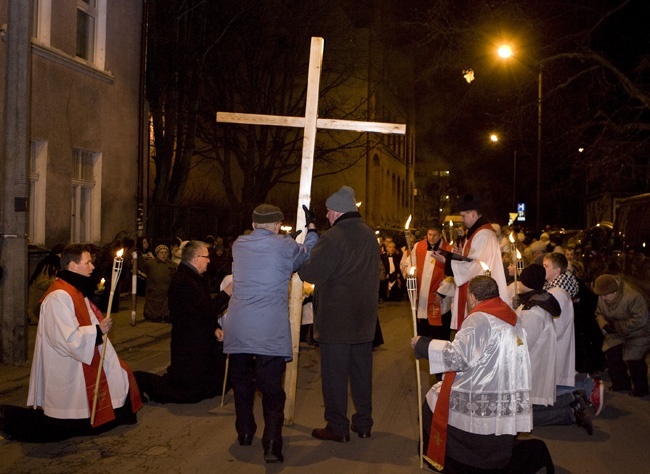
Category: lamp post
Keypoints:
(495, 139)
(505, 51)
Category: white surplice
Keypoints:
(57, 382)
(484, 248)
(565, 360)
(541, 339)
(491, 391)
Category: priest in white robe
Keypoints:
(66, 360)
(481, 245)
(472, 417)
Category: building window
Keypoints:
(41, 20)
(37, 185)
(86, 196)
(91, 31)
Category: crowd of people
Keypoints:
(514, 316)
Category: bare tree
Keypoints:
(595, 64)
(261, 67)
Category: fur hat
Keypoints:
(469, 202)
(605, 284)
(538, 246)
(533, 276)
(267, 213)
(342, 200)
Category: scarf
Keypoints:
(480, 224)
(72, 283)
(434, 315)
(566, 281)
(543, 299)
(437, 445)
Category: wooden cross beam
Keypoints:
(310, 123)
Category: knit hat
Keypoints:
(605, 284)
(533, 276)
(267, 213)
(159, 248)
(469, 202)
(342, 200)
(538, 246)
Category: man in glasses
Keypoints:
(197, 364)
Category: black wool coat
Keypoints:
(196, 355)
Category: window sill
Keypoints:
(74, 63)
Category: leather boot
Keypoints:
(639, 375)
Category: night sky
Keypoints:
(583, 106)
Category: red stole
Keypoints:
(104, 412)
(437, 446)
(434, 315)
(462, 289)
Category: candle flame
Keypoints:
(103, 280)
(512, 237)
(518, 255)
(408, 223)
(119, 253)
(451, 223)
(484, 265)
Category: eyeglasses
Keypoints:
(204, 256)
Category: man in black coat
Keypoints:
(343, 266)
(197, 361)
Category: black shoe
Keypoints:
(582, 416)
(2, 424)
(362, 434)
(273, 453)
(245, 439)
(327, 435)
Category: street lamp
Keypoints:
(505, 52)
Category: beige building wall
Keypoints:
(85, 105)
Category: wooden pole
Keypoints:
(134, 287)
(412, 289)
(225, 378)
(118, 261)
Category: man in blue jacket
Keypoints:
(257, 333)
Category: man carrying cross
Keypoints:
(343, 266)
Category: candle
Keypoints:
(101, 285)
(486, 269)
(520, 262)
(409, 239)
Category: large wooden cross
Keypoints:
(310, 123)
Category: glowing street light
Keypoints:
(505, 51)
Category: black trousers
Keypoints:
(525, 456)
(340, 363)
(34, 426)
(264, 373)
(627, 374)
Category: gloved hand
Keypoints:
(295, 234)
(310, 217)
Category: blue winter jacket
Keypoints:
(257, 321)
